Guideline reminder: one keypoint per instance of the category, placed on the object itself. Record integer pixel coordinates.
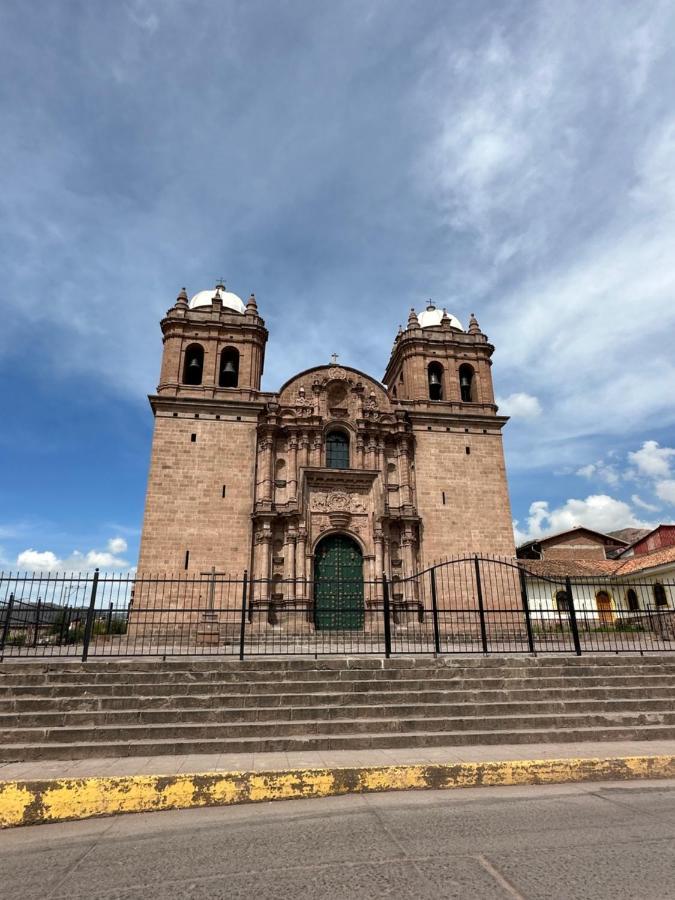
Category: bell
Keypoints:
(465, 381)
(433, 378)
(194, 364)
(228, 368)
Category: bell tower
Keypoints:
(202, 469)
(440, 375)
(435, 360)
(214, 345)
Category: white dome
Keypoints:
(230, 301)
(433, 316)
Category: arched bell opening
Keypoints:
(435, 377)
(229, 368)
(467, 383)
(193, 364)
(338, 584)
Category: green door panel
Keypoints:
(338, 584)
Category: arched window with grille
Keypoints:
(193, 365)
(632, 600)
(660, 598)
(337, 450)
(562, 602)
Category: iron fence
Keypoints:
(468, 605)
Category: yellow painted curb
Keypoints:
(63, 799)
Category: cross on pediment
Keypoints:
(334, 359)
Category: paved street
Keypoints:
(573, 841)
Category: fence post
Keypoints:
(5, 627)
(481, 608)
(434, 612)
(573, 617)
(387, 620)
(244, 604)
(90, 617)
(526, 610)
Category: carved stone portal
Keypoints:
(337, 501)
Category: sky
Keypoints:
(345, 161)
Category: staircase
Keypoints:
(64, 710)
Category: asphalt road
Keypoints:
(578, 841)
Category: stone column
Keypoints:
(372, 453)
(304, 448)
(360, 452)
(379, 564)
(292, 492)
(301, 563)
(404, 472)
(408, 543)
(379, 454)
(262, 563)
(316, 450)
(289, 555)
(266, 445)
(386, 561)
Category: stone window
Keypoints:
(562, 602)
(193, 366)
(337, 450)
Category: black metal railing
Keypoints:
(468, 605)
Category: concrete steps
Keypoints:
(52, 710)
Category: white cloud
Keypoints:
(652, 460)
(48, 561)
(43, 560)
(636, 500)
(117, 545)
(665, 490)
(601, 471)
(520, 406)
(598, 511)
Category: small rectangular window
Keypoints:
(238, 418)
(468, 450)
(193, 438)
(175, 415)
(224, 490)
(196, 415)
(443, 496)
(187, 559)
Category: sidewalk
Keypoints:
(53, 790)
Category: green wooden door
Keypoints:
(338, 584)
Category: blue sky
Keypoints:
(345, 161)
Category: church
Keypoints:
(336, 474)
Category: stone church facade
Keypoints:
(399, 473)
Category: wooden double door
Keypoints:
(338, 584)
